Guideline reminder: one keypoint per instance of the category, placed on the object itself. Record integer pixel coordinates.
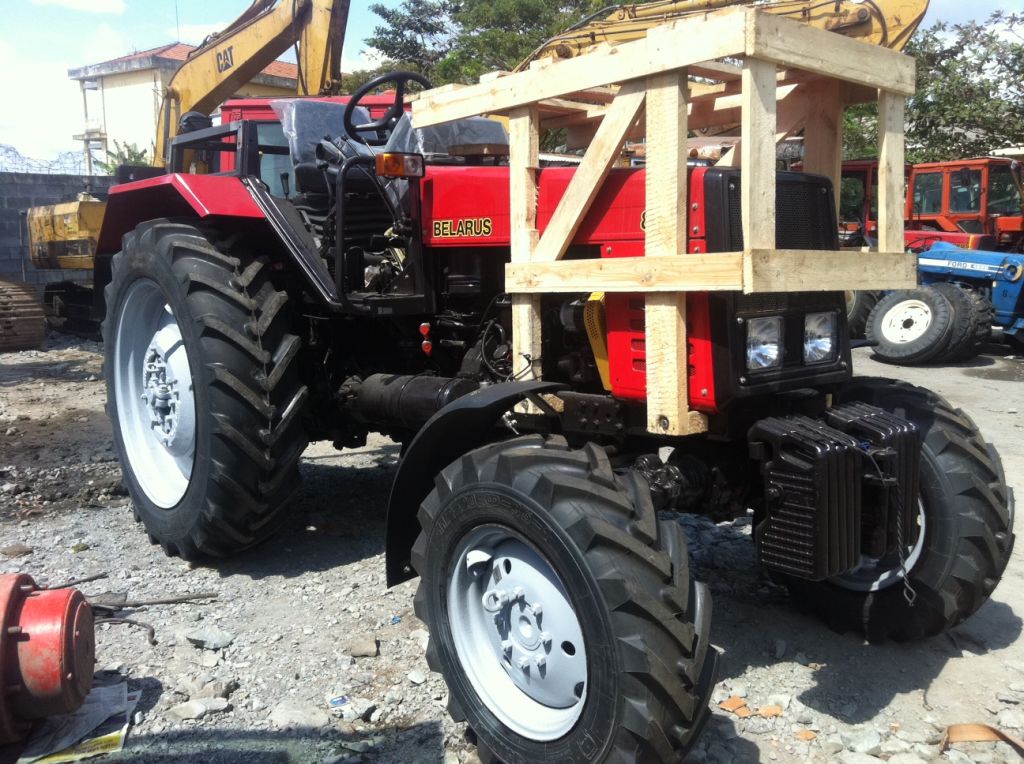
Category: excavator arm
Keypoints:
(888, 23)
(231, 58)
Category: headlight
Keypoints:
(764, 343)
(820, 343)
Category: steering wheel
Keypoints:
(385, 124)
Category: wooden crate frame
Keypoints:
(789, 77)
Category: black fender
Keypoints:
(458, 428)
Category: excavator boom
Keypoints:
(888, 23)
(231, 58)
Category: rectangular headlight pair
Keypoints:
(765, 348)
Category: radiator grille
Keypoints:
(804, 214)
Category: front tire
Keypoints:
(599, 652)
(202, 390)
(966, 534)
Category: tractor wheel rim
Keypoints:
(516, 633)
(156, 410)
(876, 573)
(906, 321)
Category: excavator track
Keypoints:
(22, 323)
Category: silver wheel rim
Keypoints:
(516, 634)
(906, 321)
(156, 410)
(874, 574)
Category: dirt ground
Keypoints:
(310, 620)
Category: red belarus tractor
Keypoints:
(315, 286)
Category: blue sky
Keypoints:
(41, 39)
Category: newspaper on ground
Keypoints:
(98, 727)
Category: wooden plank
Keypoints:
(588, 177)
(667, 366)
(666, 220)
(753, 271)
(526, 340)
(715, 272)
(665, 235)
(666, 48)
(823, 133)
(891, 115)
(791, 118)
(797, 270)
(757, 152)
(789, 43)
(524, 160)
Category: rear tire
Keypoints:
(961, 344)
(858, 308)
(967, 512)
(910, 327)
(564, 522)
(203, 390)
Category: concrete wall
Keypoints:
(18, 192)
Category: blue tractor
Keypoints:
(949, 317)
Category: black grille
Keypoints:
(893, 447)
(805, 216)
(812, 480)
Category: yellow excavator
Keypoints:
(887, 23)
(63, 236)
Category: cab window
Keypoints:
(273, 166)
(1003, 196)
(928, 193)
(965, 191)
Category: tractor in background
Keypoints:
(949, 318)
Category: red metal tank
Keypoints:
(47, 653)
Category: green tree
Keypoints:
(123, 153)
(970, 93)
(498, 34)
(415, 35)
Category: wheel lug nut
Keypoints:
(518, 593)
(539, 661)
(545, 638)
(523, 663)
(538, 609)
(506, 646)
(495, 599)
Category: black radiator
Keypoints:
(835, 489)
(813, 476)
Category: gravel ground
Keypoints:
(305, 656)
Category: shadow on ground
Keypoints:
(855, 680)
(338, 517)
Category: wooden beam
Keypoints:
(757, 151)
(666, 48)
(668, 368)
(788, 42)
(891, 114)
(665, 235)
(667, 216)
(588, 177)
(798, 270)
(791, 118)
(524, 160)
(722, 271)
(823, 133)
